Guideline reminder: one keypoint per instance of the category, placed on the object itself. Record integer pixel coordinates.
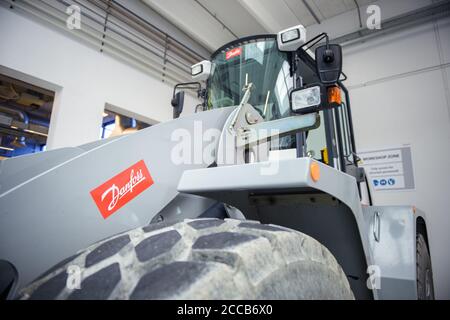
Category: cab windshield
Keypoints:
(260, 63)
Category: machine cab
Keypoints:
(287, 80)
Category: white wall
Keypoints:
(84, 78)
(399, 87)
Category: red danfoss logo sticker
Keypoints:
(122, 188)
(233, 53)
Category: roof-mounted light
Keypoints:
(292, 38)
(201, 70)
(290, 35)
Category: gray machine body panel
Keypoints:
(46, 209)
(248, 186)
(63, 218)
(394, 248)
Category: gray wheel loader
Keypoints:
(258, 195)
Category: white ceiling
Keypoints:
(216, 22)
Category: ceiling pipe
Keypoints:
(217, 19)
(433, 12)
(123, 10)
(19, 142)
(22, 115)
(28, 135)
(359, 14)
(39, 113)
(40, 122)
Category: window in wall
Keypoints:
(25, 112)
(116, 124)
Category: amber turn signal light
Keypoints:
(314, 170)
(334, 95)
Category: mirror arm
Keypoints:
(187, 85)
(311, 43)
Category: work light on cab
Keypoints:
(201, 70)
(292, 38)
(305, 99)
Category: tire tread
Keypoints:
(230, 259)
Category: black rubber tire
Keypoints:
(201, 259)
(425, 289)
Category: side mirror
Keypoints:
(177, 104)
(329, 63)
